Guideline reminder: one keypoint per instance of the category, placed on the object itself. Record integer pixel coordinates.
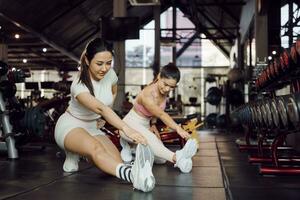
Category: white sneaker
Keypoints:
(126, 151)
(71, 162)
(184, 156)
(142, 175)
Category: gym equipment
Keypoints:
(214, 96)
(272, 70)
(34, 121)
(3, 68)
(210, 79)
(211, 120)
(191, 127)
(269, 116)
(62, 86)
(221, 121)
(7, 91)
(275, 114)
(18, 75)
(293, 108)
(234, 75)
(235, 97)
(282, 110)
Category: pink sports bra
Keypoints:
(144, 111)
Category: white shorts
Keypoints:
(67, 122)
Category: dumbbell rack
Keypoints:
(282, 72)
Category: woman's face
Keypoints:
(100, 65)
(166, 85)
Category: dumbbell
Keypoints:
(264, 113)
(18, 75)
(211, 120)
(221, 121)
(8, 89)
(214, 96)
(259, 116)
(275, 114)
(293, 54)
(3, 68)
(270, 114)
(284, 59)
(293, 108)
(277, 68)
(272, 70)
(297, 46)
(254, 119)
(281, 103)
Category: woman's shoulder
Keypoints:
(149, 92)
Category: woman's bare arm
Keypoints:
(147, 100)
(90, 102)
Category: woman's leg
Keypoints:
(155, 144)
(140, 174)
(81, 142)
(110, 148)
(182, 158)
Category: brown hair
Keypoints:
(93, 47)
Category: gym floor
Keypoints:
(38, 175)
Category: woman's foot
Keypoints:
(71, 162)
(142, 175)
(126, 151)
(184, 156)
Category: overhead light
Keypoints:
(0, 27)
(24, 60)
(44, 50)
(144, 2)
(17, 36)
(274, 52)
(269, 57)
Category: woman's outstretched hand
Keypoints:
(134, 135)
(185, 135)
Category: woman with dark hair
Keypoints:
(76, 131)
(150, 103)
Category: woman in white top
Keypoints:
(76, 131)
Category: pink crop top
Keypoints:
(144, 111)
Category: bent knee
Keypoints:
(97, 152)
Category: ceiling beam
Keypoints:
(192, 29)
(41, 36)
(229, 12)
(215, 41)
(222, 4)
(57, 17)
(214, 25)
(78, 41)
(201, 28)
(186, 45)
